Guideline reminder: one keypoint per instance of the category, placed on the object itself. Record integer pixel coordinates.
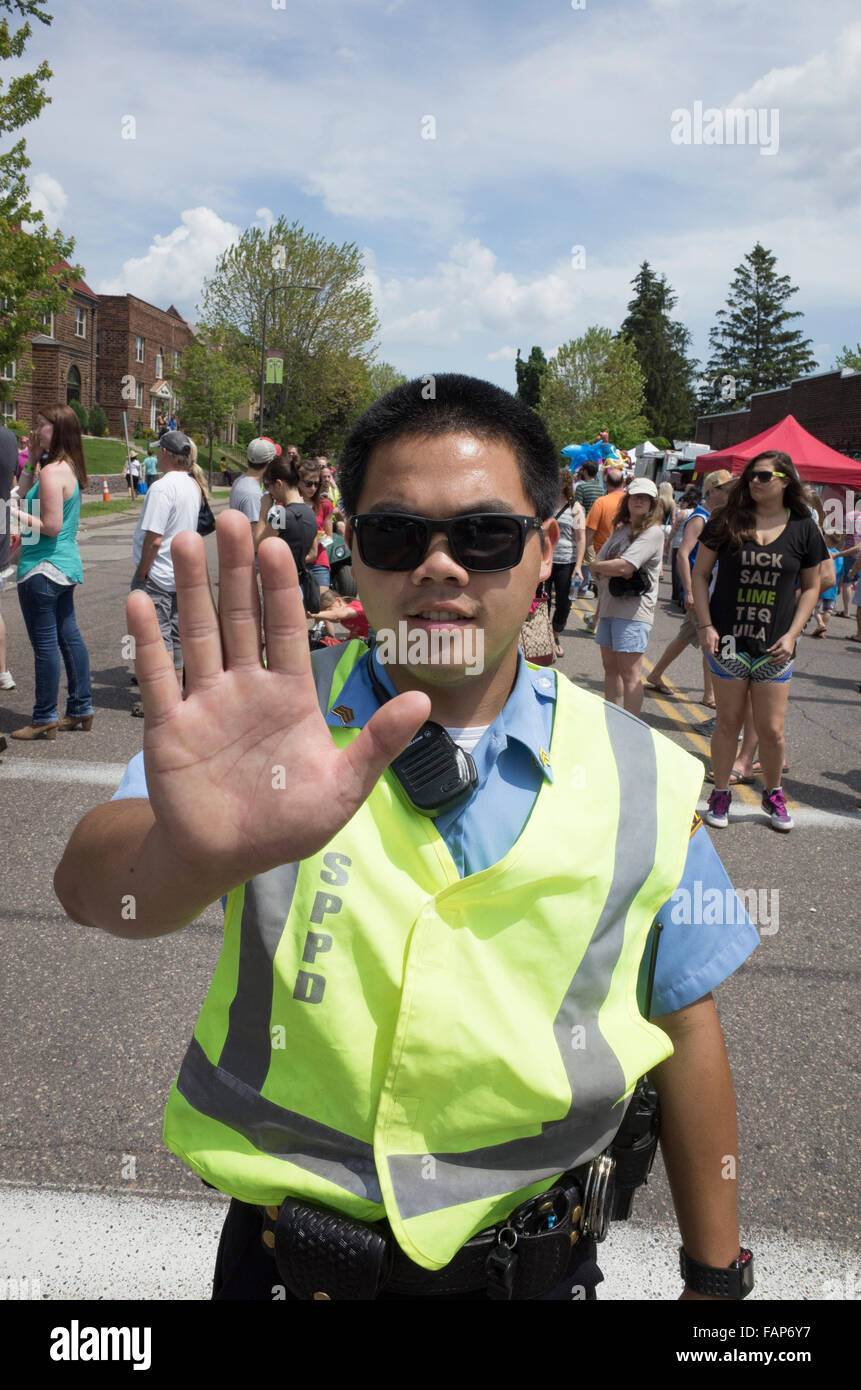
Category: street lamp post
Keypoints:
(274, 290)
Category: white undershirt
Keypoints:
(467, 738)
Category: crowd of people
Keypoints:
(751, 567)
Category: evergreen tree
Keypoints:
(530, 375)
(750, 342)
(662, 346)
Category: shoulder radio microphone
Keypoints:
(433, 773)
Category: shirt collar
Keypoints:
(522, 718)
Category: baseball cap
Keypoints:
(642, 487)
(719, 478)
(175, 442)
(262, 451)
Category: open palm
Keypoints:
(243, 774)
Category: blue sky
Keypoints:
(552, 130)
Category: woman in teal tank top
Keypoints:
(48, 570)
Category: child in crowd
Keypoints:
(828, 598)
(335, 609)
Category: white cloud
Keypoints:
(265, 217)
(48, 197)
(174, 266)
(503, 354)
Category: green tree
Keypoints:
(98, 421)
(83, 417)
(849, 357)
(662, 346)
(28, 251)
(594, 383)
(210, 387)
(319, 335)
(382, 378)
(752, 348)
(530, 375)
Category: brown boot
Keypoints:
(81, 721)
(31, 731)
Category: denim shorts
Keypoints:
(321, 573)
(622, 634)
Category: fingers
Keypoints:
(199, 632)
(153, 666)
(238, 599)
(383, 738)
(287, 649)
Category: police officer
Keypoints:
(428, 1015)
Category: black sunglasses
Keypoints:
(764, 475)
(484, 541)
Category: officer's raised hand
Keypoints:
(242, 774)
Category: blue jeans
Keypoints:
(49, 615)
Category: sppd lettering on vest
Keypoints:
(310, 986)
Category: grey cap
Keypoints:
(176, 443)
(260, 452)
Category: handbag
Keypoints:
(536, 634)
(636, 584)
(205, 519)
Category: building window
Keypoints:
(73, 385)
(7, 303)
(98, 341)
(80, 323)
(176, 360)
(159, 365)
(139, 349)
(48, 324)
(139, 394)
(7, 371)
(153, 412)
(7, 410)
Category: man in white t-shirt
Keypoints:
(172, 505)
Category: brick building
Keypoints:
(139, 352)
(828, 404)
(63, 357)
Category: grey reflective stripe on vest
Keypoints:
(248, 1046)
(593, 1070)
(344, 1161)
(324, 663)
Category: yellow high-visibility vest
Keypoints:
(388, 1039)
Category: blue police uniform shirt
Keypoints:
(706, 933)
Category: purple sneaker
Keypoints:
(717, 812)
(774, 806)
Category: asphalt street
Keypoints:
(94, 1028)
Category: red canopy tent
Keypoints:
(816, 463)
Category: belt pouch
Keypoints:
(321, 1253)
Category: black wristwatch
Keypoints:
(736, 1281)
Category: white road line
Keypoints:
(32, 770)
(74, 1245)
(804, 817)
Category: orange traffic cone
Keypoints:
(106, 495)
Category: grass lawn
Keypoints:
(109, 456)
(97, 507)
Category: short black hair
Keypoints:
(589, 469)
(445, 404)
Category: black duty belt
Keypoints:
(323, 1254)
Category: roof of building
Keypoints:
(79, 285)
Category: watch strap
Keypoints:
(736, 1281)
